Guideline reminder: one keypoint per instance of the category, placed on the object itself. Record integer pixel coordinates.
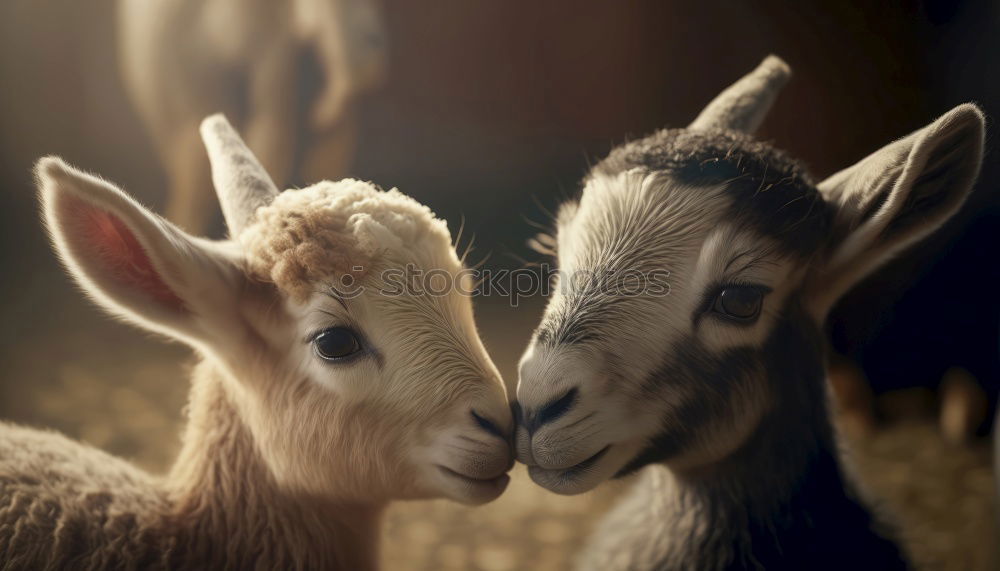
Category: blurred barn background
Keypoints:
(491, 112)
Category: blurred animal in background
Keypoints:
(312, 406)
(718, 389)
(288, 73)
(960, 405)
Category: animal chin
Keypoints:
(472, 489)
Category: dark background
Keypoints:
(492, 111)
(494, 108)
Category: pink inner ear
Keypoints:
(112, 246)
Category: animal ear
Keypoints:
(133, 263)
(896, 196)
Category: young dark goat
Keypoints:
(718, 388)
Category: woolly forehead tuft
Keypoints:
(317, 233)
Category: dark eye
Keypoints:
(336, 343)
(741, 303)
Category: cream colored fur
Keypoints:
(288, 460)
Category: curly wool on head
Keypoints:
(335, 228)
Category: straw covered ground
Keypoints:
(121, 391)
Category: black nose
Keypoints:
(548, 413)
(488, 425)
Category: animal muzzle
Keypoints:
(470, 462)
(556, 435)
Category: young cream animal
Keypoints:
(314, 403)
(183, 59)
(716, 382)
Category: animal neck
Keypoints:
(781, 500)
(229, 509)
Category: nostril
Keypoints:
(556, 408)
(488, 425)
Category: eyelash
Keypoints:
(366, 349)
(705, 307)
(739, 282)
(335, 322)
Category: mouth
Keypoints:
(475, 488)
(586, 464)
(569, 480)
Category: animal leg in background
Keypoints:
(191, 204)
(331, 150)
(273, 116)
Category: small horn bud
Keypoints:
(241, 183)
(744, 104)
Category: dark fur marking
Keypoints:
(772, 193)
(690, 364)
(772, 196)
(781, 500)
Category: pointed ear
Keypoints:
(133, 263)
(897, 196)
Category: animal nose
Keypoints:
(551, 412)
(488, 425)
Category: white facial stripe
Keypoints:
(635, 221)
(636, 218)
